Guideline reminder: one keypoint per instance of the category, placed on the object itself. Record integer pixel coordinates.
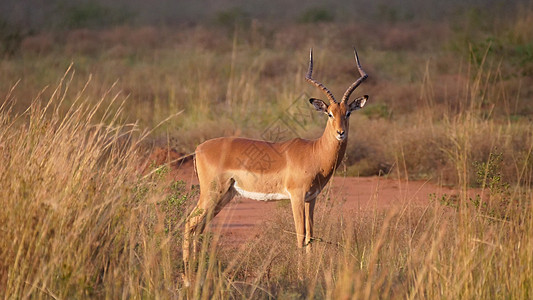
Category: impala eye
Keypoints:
(330, 115)
(348, 114)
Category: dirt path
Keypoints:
(241, 218)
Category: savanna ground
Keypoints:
(87, 212)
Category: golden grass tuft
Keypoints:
(78, 218)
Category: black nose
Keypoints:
(340, 132)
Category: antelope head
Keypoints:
(338, 112)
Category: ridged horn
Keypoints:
(319, 85)
(354, 85)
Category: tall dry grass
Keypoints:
(80, 218)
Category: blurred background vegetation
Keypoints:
(235, 66)
(60, 14)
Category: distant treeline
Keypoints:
(37, 15)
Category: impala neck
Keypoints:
(331, 151)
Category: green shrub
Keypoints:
(93, 15)
(316, 15)
(10, 38)
(233, 17)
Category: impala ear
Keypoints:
(319, 104)
(358, 103)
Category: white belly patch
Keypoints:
(260, 196)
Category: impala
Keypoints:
(296, 169)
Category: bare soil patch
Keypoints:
(242, 218)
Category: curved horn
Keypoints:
(316, 83)
(354, 85)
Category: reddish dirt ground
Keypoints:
(240, 220)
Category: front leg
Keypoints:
(309, 209)
(298, 212)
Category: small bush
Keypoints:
(316, 15)
(377, 111)
(11, 37)
(233, 17)
(93, 15)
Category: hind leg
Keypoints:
(224, 197)
(196, 220)
(212, 199)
